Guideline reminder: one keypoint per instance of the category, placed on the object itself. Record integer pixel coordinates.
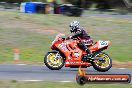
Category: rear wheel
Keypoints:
(54, 61)
(102, 65)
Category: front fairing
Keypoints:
(57, 40)
(70, 49)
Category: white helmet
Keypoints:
(74, 26)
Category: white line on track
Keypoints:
(32, 80)
(65, 81)
(43, 80)
(20, 64)
(121, 68)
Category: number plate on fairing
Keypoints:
(102, 43)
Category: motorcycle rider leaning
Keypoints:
(85, 38)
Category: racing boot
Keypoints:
(87, 57)
(89, 54)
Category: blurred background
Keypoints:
(118, 6)
(21, 27)
(30, 26)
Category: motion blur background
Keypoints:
(33, 34)
(123, 6)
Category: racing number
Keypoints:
(103, 42)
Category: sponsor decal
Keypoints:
(63, 46)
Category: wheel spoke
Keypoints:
(103, 64)
(52, 61)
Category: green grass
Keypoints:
(99, 12)
(20, 84)
(33, 34)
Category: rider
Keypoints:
(85, 38)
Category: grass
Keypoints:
(99, 12)
(33, 34)
(20, 84)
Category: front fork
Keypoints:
(57, 56)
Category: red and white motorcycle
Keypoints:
(67, 52)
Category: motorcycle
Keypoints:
(67, 52)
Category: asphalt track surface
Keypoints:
(42, 73)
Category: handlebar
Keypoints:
(77, 38)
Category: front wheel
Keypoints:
(54, 61)
(102, 65)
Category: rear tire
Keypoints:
(52, 63)
(102, 67)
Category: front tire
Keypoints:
(102, 66)
(54, 63)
